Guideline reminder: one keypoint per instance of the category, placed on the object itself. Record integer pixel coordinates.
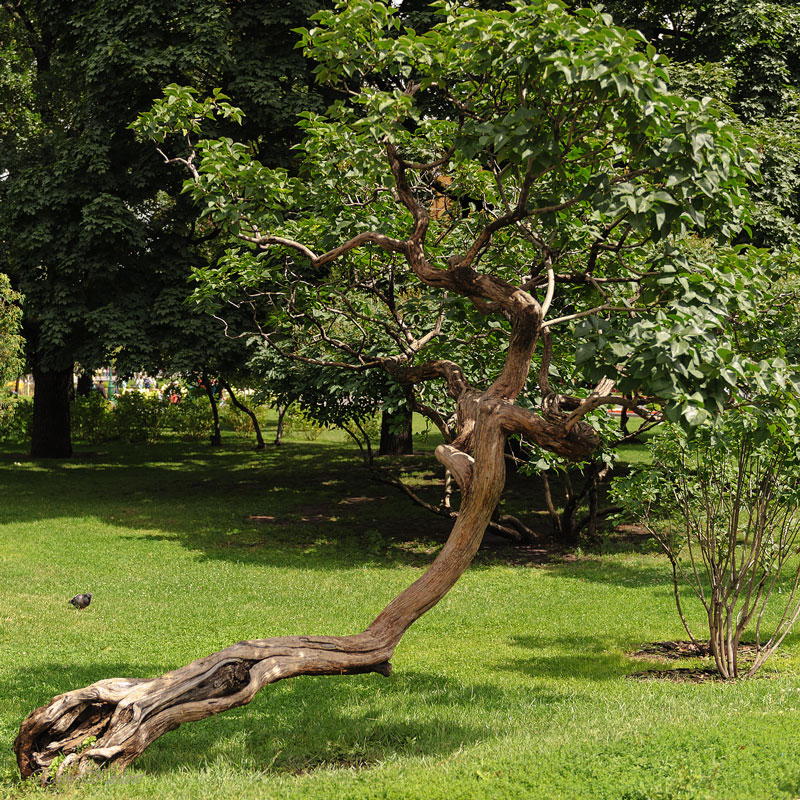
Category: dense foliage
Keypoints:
(10, 338)
(99, 249)
(559, 136)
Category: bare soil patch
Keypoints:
(678, 675)
(678, 649)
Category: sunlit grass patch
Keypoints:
(513, 686)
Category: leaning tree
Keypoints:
(514, 173)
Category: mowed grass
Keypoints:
(514, 686)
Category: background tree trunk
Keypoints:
(279, 427)
(85, 383)
(216, 435)
(396, 433)
(260, 445)
(50, 430)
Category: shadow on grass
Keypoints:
(615, 573)
(303, 504)
(310, 722)
(584, 657)
(337, 722)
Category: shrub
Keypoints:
(240, 422)
(139, 416)
(191, 417)
(723, 505)
(92, 419)
(16, 415)
(299, 421)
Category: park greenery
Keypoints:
(10, 338)
(519, 683)
(507, 218)
(94, 235)
(723, 506)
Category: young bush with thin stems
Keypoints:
(723, 505)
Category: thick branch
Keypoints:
(447, 370)
(576, 444)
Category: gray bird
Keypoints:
(80, 601)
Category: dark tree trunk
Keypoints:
(396, 434)
(279, 429)
(216, 435)
(250, 413)
(85, 383)
(50, 430)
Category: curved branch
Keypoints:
(551, 288)
(576, 444)
(459, 463)
(386, 243)
(126, 715)
(600, 396)
(448, 370)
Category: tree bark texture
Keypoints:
(396, 442)
(50, 430)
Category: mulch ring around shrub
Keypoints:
(677, 650)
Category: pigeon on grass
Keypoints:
(80, 601)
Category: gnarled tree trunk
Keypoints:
(127, 714)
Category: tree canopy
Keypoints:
(745, 55)
(93, 235)
(582, 181)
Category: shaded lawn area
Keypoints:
(513, 686)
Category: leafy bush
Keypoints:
(191, 417)
(16, 415)
(93, 419)
(724, 506)
(140, 416)
(300, 421)
(240, 422)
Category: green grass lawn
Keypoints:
(514, 686)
